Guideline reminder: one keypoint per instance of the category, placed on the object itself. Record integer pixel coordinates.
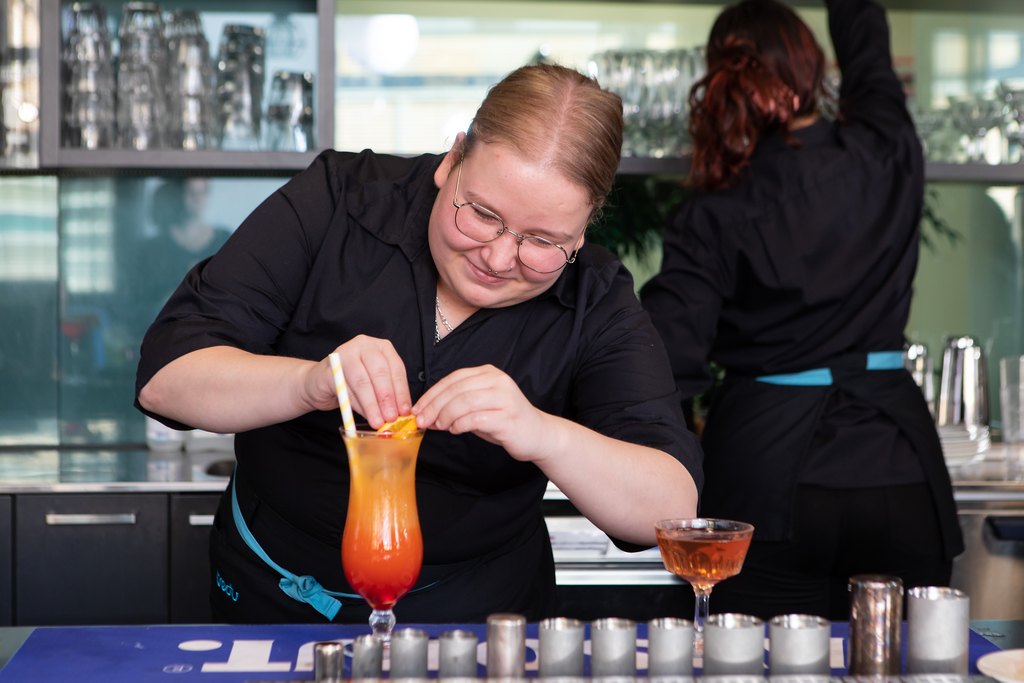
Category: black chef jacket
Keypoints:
(808, 262)
(341, 250)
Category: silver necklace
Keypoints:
(444, 320)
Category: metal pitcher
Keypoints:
(963, 388)
(919, 365)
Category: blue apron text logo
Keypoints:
(228, 589)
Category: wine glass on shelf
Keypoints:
(703, 551)
(382, 546)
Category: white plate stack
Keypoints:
(961, 445)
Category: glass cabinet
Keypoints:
(82, 208)
(200, 84)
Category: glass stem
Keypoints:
(381, 623)
(700, 615)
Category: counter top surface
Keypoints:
(202, 652)
(95, 469)
(90, 470)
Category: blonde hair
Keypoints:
(555, 115)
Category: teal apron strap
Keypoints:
(822, 377)
(819, 377)
(302, 588)
(885, 360)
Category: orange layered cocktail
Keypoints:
(382, 547)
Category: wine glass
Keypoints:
(703, 551)
(382, 546)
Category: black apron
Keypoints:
(759, 436)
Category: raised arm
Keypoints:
(870, 93)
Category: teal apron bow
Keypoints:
(302, 588)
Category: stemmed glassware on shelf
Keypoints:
(703, 551)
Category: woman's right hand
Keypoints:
(375, 375)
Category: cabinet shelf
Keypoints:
(207, 161)
(935, 172)
(1004, 174)
(970, 6)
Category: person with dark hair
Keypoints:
(791, 268)
(184, 237)
(455, 287)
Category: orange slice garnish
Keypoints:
(406, 424)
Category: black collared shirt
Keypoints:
(342, 250)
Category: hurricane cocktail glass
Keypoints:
(382, 546)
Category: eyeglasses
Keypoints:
(483, 225)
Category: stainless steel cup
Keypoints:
(506, 645)
(457, 654)
(937, 630)
(408, 653)
(876, 614)
(669, 647)
(329, 662)
(799, 645)
(733, 645)
(367, 657)
(560, 647)
(613, 647)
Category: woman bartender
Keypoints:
(791, 267)
(456, 287)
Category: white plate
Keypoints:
(1006, 666)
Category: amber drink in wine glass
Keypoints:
(382, 546)
(703, 551)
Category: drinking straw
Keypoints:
(343, 402)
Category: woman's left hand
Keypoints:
(487, 402)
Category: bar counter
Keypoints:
(265, 653)
(91, 469)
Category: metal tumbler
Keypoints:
(367, 657)
(876, 613)
(669, 647)
(937, 630)
(613, 647)
(457, 654)
(733, 645)
(329, 662)
(560, 647)
(799, 645)
(506, 645)
(408, 653)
